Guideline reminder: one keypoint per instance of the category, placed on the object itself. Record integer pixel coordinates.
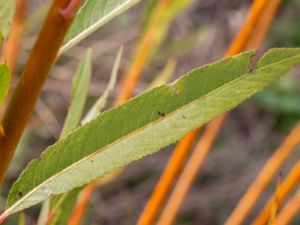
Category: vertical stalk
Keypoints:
(28, 89)
(12, 45)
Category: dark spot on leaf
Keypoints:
(92, 161)
(20, 194)
(161, 113)
(183, 116)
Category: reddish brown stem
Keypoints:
(29, 87)
(70, 11)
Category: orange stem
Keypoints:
(29, 87)
(163, 187)
(83, 202)
(190, 171)
(288, 184)
(275, 202)
(264, 177)
(168, 178)
(289, 211)
(141, 55)
(12, 45)
(263, 24)
(245, 33)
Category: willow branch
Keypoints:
(287, 186)
(28, 89)
(263, 179)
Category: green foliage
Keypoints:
(79, 93)
(145, 124)
(4, 81)
(91, 16)
(7, 10)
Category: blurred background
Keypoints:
(198, 35)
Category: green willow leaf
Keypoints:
(4, 82)
(145, 124)
(91, 16)
(79, 93)
(7, 11)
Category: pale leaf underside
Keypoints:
(145, 124)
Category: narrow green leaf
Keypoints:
(91, 16)
(4, 82)
(101, 102)
(7, 11)
(145, 124)
(79, 93)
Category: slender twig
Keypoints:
(35, 74)
(83, 201)
(12, 45)
(263, 24)
(168, 178)
(275, 202)
(241, 40)
(289, 211)
(84, 198)
(264, 177)
(154, 204)
(190, 171)
(142, 53)
(287, 186)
